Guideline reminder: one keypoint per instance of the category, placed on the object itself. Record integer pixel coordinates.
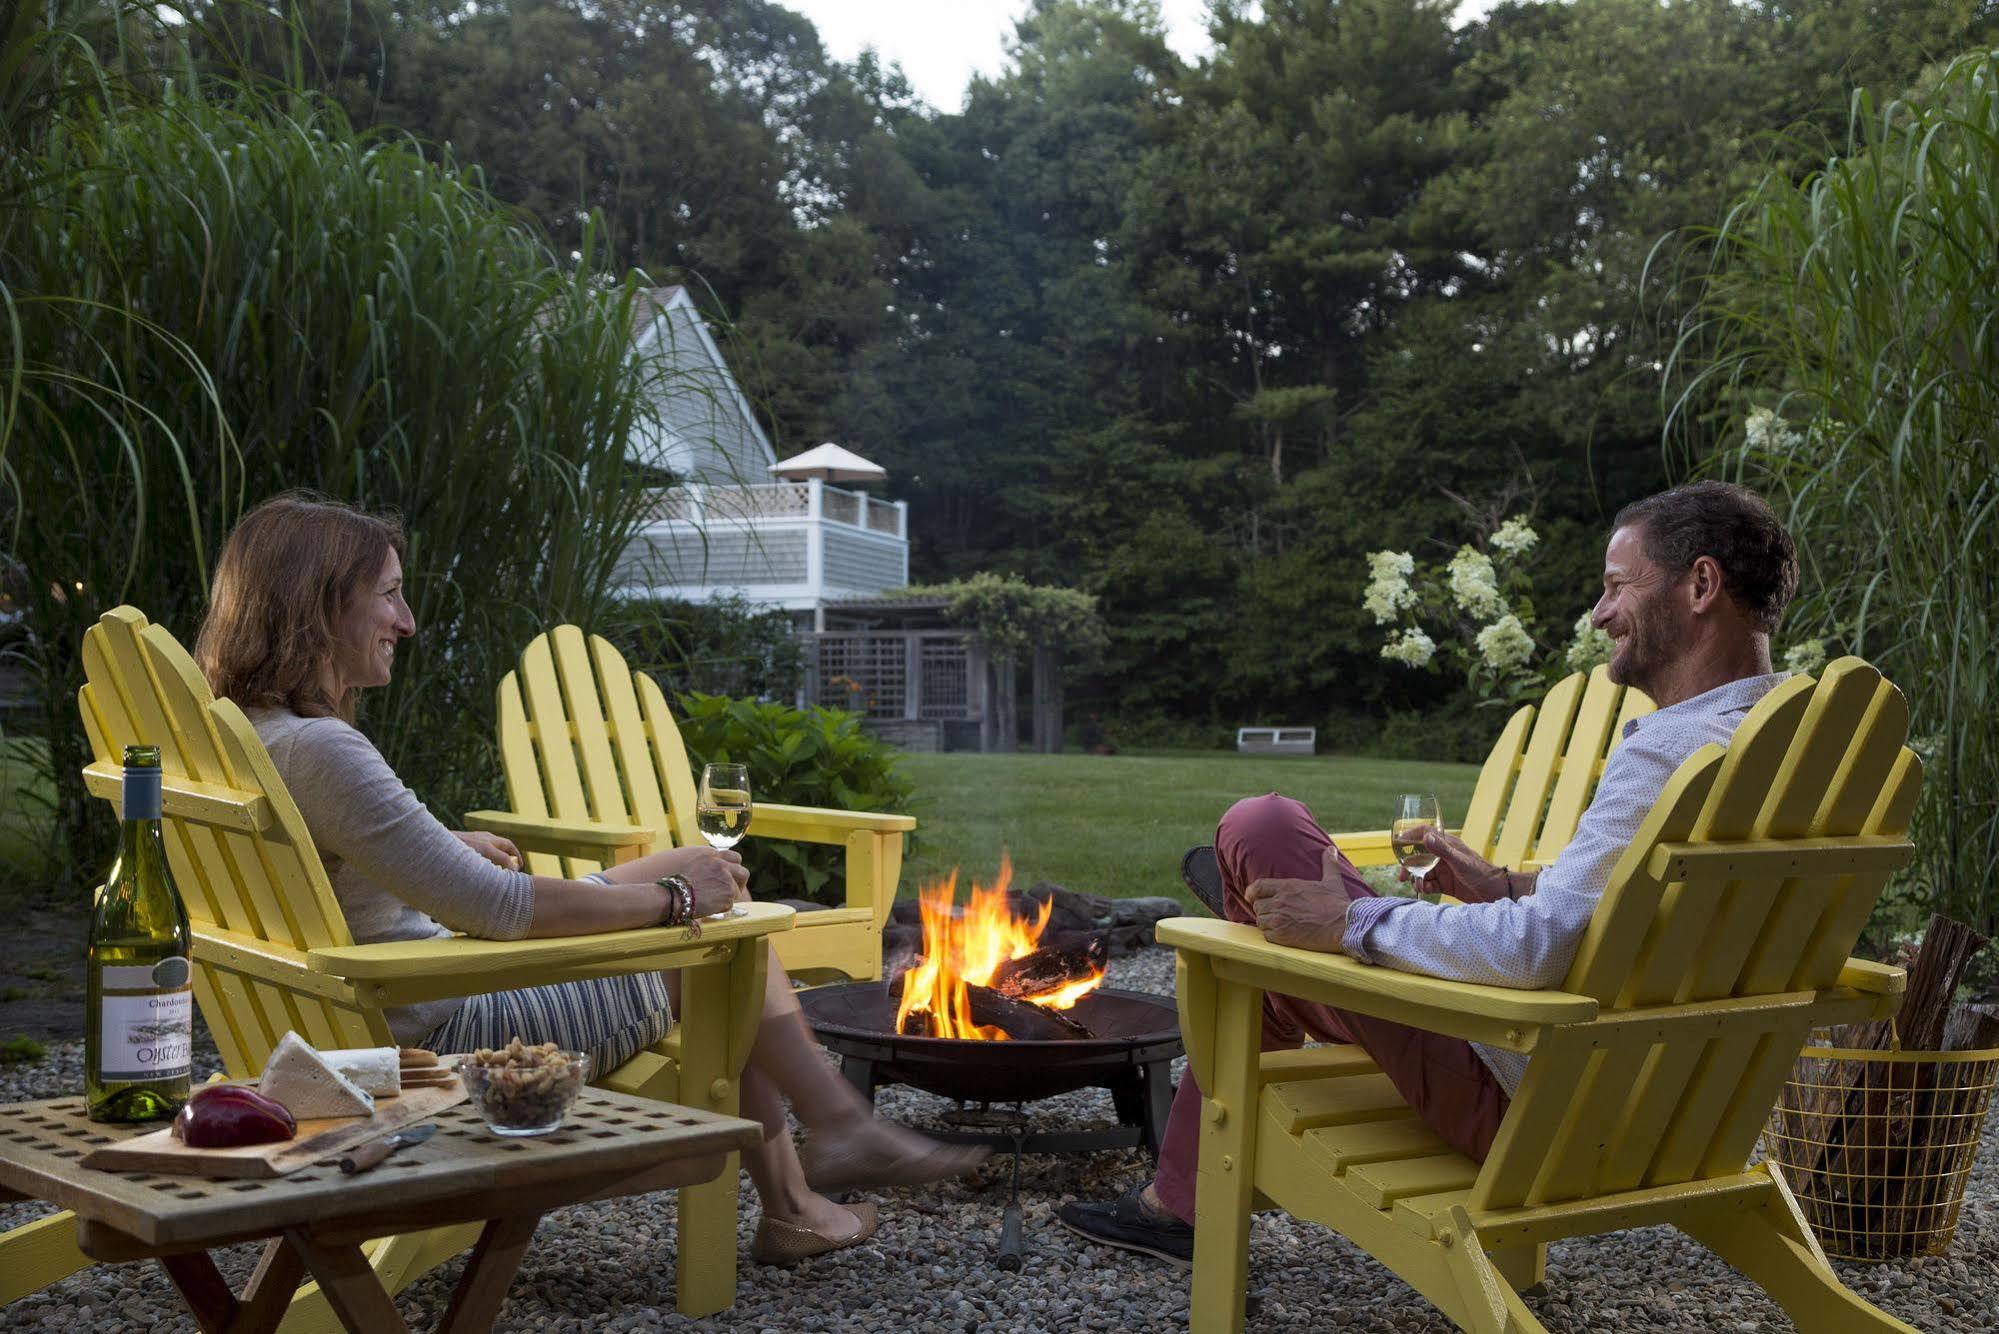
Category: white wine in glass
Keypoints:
(1411, 810)
(722, 810)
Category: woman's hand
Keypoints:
(499, 851)
(719, 879)
(1459, 872)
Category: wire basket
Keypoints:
(1876, 1145)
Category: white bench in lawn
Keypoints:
(1276, 740)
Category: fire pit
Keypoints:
(987, 1015)
(1135, 1037)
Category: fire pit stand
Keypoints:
(1137, 1038)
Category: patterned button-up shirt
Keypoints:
(1530, 942)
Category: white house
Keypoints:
(741, 522)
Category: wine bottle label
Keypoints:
(149, 1036)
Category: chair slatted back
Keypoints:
(1540, 775)
(246, 869)
(1737, 903)
(583, 737)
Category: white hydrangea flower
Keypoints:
(1807, 656)
(1388, 590)
(1411, 648)
(1515, 537)
(1505, 644)
(1765, 430)
(1473, 585)
(1588, 647)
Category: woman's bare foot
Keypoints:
(870, 1151)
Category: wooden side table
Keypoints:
(316, 1220)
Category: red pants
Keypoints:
(1442, 1078)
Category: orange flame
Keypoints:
(968, 949)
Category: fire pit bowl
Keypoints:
(1136, 1033)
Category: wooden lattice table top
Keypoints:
(605, 1135)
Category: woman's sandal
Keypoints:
(781, 1243)
(840, 1166)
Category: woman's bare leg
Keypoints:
(775, 1172)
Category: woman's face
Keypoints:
(378, 618)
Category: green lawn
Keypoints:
(1118, 824)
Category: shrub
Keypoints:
(1460, 729)
(724, 647)
(799, 757)
(21, 1048)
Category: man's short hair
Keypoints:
(1734, 525)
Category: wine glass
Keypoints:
(1413, 809)
(722, 811)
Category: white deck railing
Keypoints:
(791, 544)
(700, 503)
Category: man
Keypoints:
(1694, 582)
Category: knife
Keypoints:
(367, 1155)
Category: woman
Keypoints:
(305, 612)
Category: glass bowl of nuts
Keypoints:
(522, 1089)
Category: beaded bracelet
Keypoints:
(679, 904)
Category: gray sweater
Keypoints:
(397, 872)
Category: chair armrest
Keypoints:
(1876, 979)
(564, 838)
(811, 824)
(400, 972)
(1498, 1016)
(1368, 847)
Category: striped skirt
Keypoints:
(611, 1018)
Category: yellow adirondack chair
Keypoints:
(592, 756)
(272, 952)
(1538, 778)
(1720, 943)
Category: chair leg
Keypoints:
(1774, 1247)
(36, 1254)
(721, 1005)
(1525, 1268)
(1225, 1188)
(1487, 1299)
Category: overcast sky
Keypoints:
(940, 43)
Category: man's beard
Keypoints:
(1645, 650)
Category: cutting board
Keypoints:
(317, 1139)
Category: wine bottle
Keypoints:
(139, 1040)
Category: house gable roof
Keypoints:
(702, 426)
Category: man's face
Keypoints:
(1637, 610)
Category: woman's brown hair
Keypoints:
(286, 579)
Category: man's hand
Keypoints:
(1307, 914)
(499, 851)
(1459, 871)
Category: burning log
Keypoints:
(1016, 1018)
(1048, 969)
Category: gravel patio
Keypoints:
(609, 1267)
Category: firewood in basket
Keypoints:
(1048, 969)
(1866, 1118)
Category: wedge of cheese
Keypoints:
(376, 1071)
(301, 1079)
